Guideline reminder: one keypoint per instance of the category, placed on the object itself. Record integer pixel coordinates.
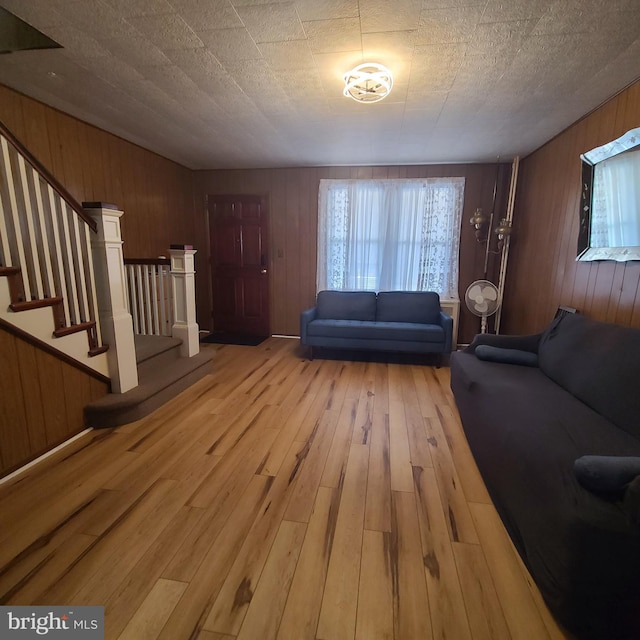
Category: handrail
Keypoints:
(48, 176)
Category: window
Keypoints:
(615, 209)
(387, 235)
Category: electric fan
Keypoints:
(482, 299)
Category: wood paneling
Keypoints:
(543, 273)
(42, 401)
(293, 207)
(155, 194)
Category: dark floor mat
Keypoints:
(218, 337)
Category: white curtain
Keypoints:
(615, 214)
(390, 234)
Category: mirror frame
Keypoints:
(587, 253)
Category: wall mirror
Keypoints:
(610, 202)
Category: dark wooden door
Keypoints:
(239, 239)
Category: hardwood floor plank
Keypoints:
(313, 458)
(190, 613)
(399, 451)
(410, 599)
(338, 612)
(335, 467)
(472, 483)
(124, 602)
(377, 515)
(459, 521)
(520, 610)
(270, 596)
(154, 611)
(364, 416)
(446, 603)
(375, 593)
(302, 610)
(230, 607)
(484, 612)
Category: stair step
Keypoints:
(154, 353)
(34, 304)
(155, 387)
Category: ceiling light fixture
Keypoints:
(368, 82)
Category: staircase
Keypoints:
(162, 374)
(63, 287)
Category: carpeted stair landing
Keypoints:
(162, 374)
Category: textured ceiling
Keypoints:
(245, 83)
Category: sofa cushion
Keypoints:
(408, 306)
(598, 363)
(607, 474)
(346, 305)
(358, 331)
(507, 356)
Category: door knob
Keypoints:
(263, 271)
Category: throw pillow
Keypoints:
(506, 356)
(606, 474)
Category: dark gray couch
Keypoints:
(526, 426)
(405, 321)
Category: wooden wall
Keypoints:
(42, 401)
(543, 272)
(155, 194)
(293, 206)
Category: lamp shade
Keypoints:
(368, 82)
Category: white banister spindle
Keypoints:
(163, 300)
(50, 286)
(31, 232)
(83, 298)
(156, 301)
(147, 299)
(140, 295)
(4, 237)
(95, 315)
(72, 287)
(54, 200)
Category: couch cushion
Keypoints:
(346, 305)
(358, 330)
(607, 474)
(408, 306)
(598, 363)
(508, 356)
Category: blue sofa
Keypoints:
(400, 321)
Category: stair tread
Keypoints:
(150, 384)
(148, 347)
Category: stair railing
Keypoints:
(161, 297)
(46, 235)
(150, 295)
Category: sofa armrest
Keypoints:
(446, 322)
(305, 318)
(523, 343)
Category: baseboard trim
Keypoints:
(44, 456)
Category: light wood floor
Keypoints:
(276, 498)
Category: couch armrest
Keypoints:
(524, 343)
(446, 322)
(305, 318)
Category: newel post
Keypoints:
(115, 320)
(183, 274)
